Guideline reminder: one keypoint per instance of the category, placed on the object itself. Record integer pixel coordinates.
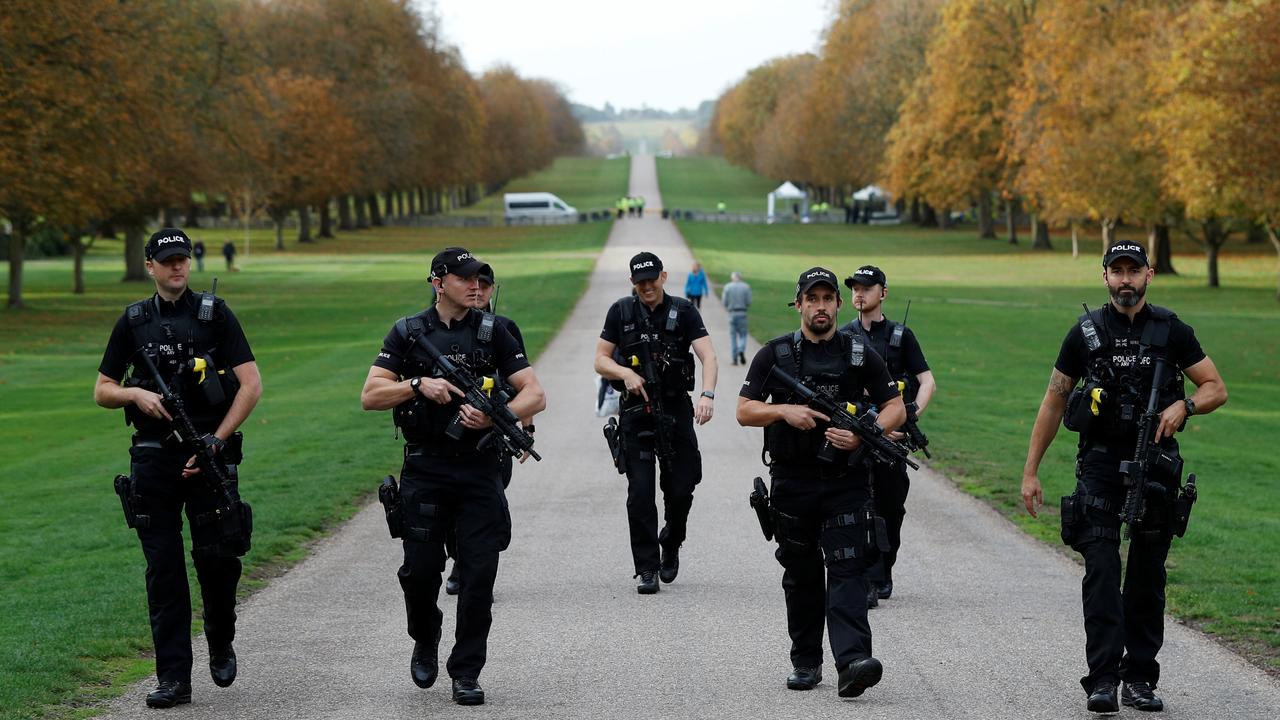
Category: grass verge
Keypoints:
(73, 618)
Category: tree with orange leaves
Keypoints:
(1218, 100)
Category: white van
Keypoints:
(537, 207)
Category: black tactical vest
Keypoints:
(469, 344)
(175, 342)
(836, 376)
(668, 346)
(1123, 369)
(887, 342)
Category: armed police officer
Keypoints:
(451, 478)
(644, 349)
(486, 302)
(896, 344)
(1130, 357)
(192, 381)
(820, 500)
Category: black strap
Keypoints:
(1099, 503)
(845, 520)
(845, 553)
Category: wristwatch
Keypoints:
(416, 384)
(708, 395)
(1190, 405)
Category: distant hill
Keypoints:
(610, 131)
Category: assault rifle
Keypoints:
(1146, 457)
(205, 452)
(477, 394)
(845, 418)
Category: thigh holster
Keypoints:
(794, 533)
(850, 536)
(423, 522)
(1089, 517)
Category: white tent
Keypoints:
(871, 192)
(787, 191)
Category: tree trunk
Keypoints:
(986, 221)
(17, 246)
(1215, 235)
(344, 213)
(1011, 208)
(389, 210)
(169, 218)
(193, 215)
(1274, 234)
(944, 218)
(362, 217)
(375, 215)
(928, 218)
(278, 218)
(1158, 244)
(1040, 234)
(326, 220)
(135, 253)
(1108, 233)
(1075, 239)
(304, 224)
(411, 202)
(77, 268)
(1211, 251)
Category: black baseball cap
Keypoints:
(1125, 248)
(166, 243)
(814, 276)
(645, 266)
(458, 261)
(867, 275)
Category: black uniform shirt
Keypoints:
(872, 375)
(232, 347)
(909, 354)
(508, 354)
(1183, 350)
(689, 324)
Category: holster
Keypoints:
(759, 500)
(124, 489)
(389, 496)
(613, 437)
(233, 523)
(1070, 512)
(1186, 500)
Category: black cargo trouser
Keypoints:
(505, 466)
(464, 493)
(1124, 626)
(804, 500)
(642, 483)
(891, 485)
(163, 494)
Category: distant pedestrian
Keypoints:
(736, 297)
(229, 252)
(696, 285)
(197, 252)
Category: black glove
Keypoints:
(213, 443)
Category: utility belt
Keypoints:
(225, 531)
(440, 448)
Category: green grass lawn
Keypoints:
(991, 318)
(698, 183)
(586, 183)
(73, 618)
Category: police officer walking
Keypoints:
(821, 511)
(451, 477)
(1128, 354)
(898, 347)
(651, 334)
(199, 350)
(485, 303)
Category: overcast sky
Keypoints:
(662, 53)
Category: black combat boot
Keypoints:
(169, 693)
(859, 675)
(1103, 698)
(804, 678)
(1139, 695)
(467, 692)
(648, 583)
(873, 596)
(885, 589)
(670, 566)
(222, 665)
(451, 586)
(424, 665)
